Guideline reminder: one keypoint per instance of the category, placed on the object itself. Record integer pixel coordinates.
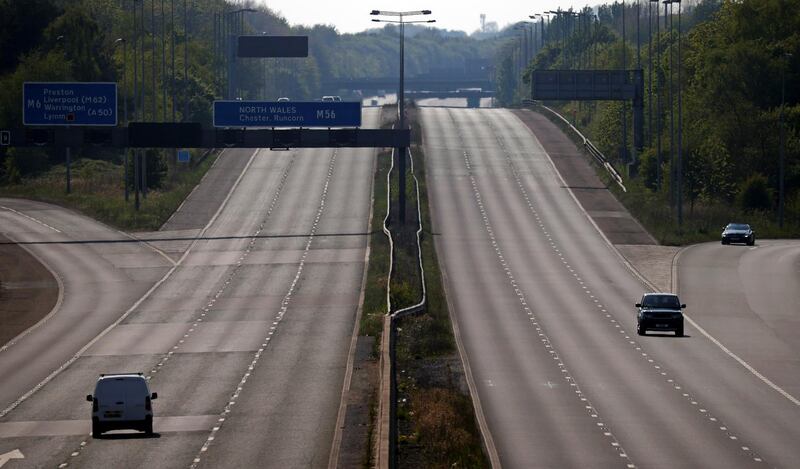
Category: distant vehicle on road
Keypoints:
(660, 312)
(738, 233)
(331, 99)
(283, 99)
(121, 401)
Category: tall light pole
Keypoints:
(172, 54)
(679, 189)
(68, 156)
(136, 107)
(124, 106)
(782, 143)
(401, 152)
(541, 29)
(238, 28)
(658, 86)
(624, 103)
(668, 16)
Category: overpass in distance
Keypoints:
(411, 83)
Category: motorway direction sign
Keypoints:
(287, 114)
(69, 103)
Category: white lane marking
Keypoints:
(55, 308)
(14, 454)
(722, 347)
(130, 310)
(30, 218)
(746, 365)
(622, 331)
(147, 244)
(545, 339)
(278, 318)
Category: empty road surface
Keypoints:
(546, 320)
(244, 333)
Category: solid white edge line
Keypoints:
(130, 310)
(719, 344)
(641, 278)
(30, 218)
(336, 445)
(486, 434)
(56, 306)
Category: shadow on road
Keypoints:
(127, 436)
(187, 238)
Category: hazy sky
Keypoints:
(351, 16)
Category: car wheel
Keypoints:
(97, 429)
(148, 426)
(679, 331)
(724, 242)
(752, 242)
(640, 330)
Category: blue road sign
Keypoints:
(287, 114)
(69, 103)
(184, 156)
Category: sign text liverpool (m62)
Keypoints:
(68, 103)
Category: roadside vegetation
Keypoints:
(94, 40)
(436, 426)
(436, 423)
(736, 58)
(98, 191)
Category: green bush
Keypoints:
(755, 194)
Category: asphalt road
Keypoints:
(546, 323)
(245, 338)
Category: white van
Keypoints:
(121, 401)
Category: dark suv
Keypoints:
(660, 312)
(738, 233)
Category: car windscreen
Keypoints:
(738, 226)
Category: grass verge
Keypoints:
(702, 221)
(97, 191)
(436, 423)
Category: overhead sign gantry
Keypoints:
(594, 85)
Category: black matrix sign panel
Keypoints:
(273, 46)
(568, 85)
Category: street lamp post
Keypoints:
(782, 143)
(401, 152)
(668, 16)
(124, 106)
(60, 40)
(136, 108)
(238, 27)
(541, 29)
(658, 87)
(679, 178)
